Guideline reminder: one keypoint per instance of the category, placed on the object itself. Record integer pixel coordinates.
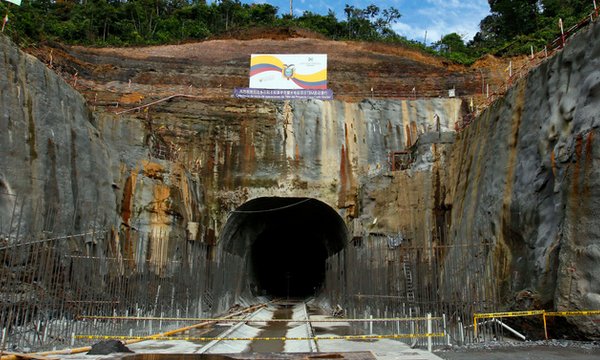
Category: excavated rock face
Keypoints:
(522, 177)
(203, 155)
(215, 158)
(174, 171)
(55, 168)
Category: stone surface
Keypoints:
(53, 155)
(522, 177)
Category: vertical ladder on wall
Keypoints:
(410, 293)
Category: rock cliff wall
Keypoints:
(213, 160)
(170, 174)
(524, 177)
(55, 166)
(162, 180)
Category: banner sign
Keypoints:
(295, 71)
(278, 94)
(17, 2)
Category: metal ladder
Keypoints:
(410, 293)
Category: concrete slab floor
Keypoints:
(385, 349)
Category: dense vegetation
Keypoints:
(512, 27)
(515, 25)
(134, 22)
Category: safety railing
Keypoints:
(422, 330)
(512, 314)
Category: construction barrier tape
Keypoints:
(537, 312)
(252, 320)
(315, 338)
(531, 313)
(509, 314)
(574, 313)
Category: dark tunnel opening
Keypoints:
(285, 242)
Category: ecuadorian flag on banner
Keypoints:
(297, 71)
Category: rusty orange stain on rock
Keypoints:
(553, 162)
(153, 170)
(589, 158)
(126, 207)
(226, 180)
(187, 198)
(413, 131)
(248, 160)
(588, 144)
(160, 205)
(159, 224)
(209, 166)
(347, 184)
(343, 178)
(505, 239)
(577, 166)
(131, 98)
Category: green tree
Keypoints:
(515, 25)
(327, 25)
(262, 14)
(124, 22)
(368, 24)
(453, 47)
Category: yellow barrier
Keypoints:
(532, 313)
(573, 313)
(283, 338)
(509, 314)
(91, 317)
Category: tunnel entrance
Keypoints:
(285, 243)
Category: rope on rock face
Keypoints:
(159, 101)
(269, 210)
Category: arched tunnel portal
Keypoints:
(285, 243)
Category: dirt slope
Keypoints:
(214, 67)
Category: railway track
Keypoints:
(265, 330)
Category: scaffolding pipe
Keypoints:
(518, 334)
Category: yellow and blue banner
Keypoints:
(283, 72)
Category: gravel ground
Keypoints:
(530, 350)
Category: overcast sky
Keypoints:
(437, 17)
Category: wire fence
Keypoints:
(382, 276)
(50, 282)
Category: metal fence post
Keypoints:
(429, 332)
(461, 332)
(445, 331)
